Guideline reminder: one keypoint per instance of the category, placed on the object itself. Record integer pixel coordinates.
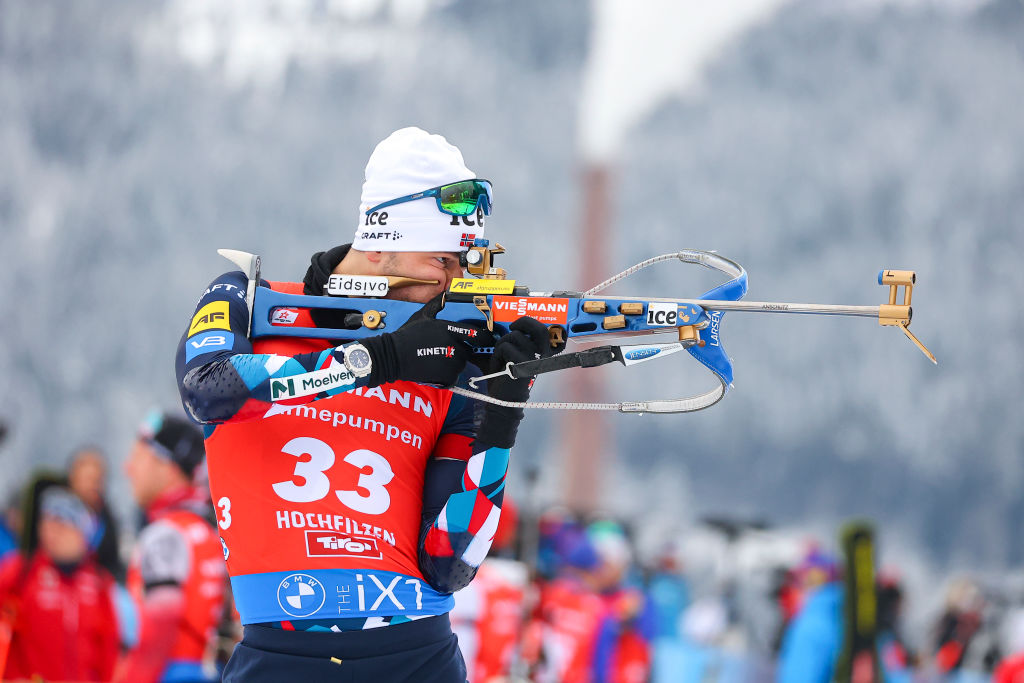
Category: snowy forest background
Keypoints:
(832, 140)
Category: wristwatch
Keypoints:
(357, 360)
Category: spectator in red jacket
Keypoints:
(177, 573)
(489, 612)
(58, 602)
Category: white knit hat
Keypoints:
(411, 160)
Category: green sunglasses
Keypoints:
(455, 199)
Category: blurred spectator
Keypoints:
(811, 643)
(623, 653)
(32, 496)
(786, 591)
(958, 625)
(893, 650)
(57, 602)
(589, 627)
(669, 592)
(7, 541)
(10, 525)
(87, 477)
(669, 595)
(489, 613)
(562, 636)
(177, 574)
(555, 526)
(1011, 669)
(8, 535)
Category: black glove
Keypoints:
(527, 339)
(424, 349)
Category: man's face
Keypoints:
(87, 476)
(433, 265)
(147, 472)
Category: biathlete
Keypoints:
(348, 518)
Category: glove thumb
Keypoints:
(429, 310)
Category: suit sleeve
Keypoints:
(220, 379)
(464, 486)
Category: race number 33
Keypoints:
(370, 497)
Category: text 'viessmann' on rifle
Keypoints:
(492, 298)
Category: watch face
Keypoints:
(359, 358)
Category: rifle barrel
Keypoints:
(784, 307)
(766, 306)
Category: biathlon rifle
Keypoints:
(496, 301)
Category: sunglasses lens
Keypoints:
(461, 199)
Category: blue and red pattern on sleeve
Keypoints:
(220, 378)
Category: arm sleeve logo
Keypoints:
(212, 316)
(207, 342)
